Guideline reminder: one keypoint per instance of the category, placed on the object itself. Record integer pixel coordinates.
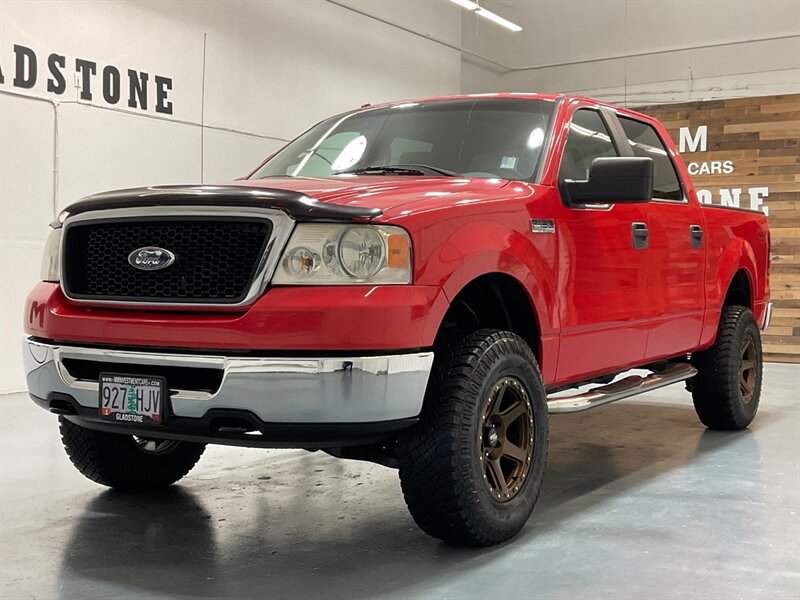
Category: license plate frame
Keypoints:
(135, 400)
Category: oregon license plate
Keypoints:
(134, 399)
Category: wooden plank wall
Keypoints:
(760, 137)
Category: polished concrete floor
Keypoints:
(640, 501)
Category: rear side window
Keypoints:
(588, 139)
(645, 142)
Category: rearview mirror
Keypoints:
(612, 180)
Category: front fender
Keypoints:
(483, 247)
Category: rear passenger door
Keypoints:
(602, 278)
(677, 250)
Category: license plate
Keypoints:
(134, 399)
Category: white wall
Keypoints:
(666, 33)
(272, 69)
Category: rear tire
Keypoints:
(471, 470)
(727, 388)
(125, 462)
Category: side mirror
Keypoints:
(613, 180)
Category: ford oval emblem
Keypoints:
(151, 258)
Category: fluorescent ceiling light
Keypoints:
(468, 4)
(487, 14)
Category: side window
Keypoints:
(645, 142)
(588, 139)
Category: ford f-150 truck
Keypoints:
(416, 284)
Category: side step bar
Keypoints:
(619, 390)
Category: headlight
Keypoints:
(322, 254)
(51, 270)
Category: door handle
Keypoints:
(696, 235)
(640, 235)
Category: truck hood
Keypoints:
(383, 193)
(311, 199)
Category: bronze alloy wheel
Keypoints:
(471, 470)
(748, 369)
(506, 438)
(155, 446)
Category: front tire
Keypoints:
(472, 469)
(727, 388)
(125, 462)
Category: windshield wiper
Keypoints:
(397, 170)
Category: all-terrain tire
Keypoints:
(727, 388)
(121, 462)
(444, 461)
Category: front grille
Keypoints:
(216, 259)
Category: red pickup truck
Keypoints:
(415, 284)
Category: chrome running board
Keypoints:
(619, 390)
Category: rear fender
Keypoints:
(737, 255)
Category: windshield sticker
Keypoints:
(508, 162)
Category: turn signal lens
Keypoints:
(398, 251)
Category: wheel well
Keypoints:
(495, 301)
(739, 291)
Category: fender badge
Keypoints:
(543, 226)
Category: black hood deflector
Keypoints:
(297, 205)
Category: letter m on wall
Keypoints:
(36, 315)
(695, 143)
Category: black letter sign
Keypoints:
(111, 84)
(57, 83)
(85, 67)
(25, 77)
(57, 78)
(137, 89)
(163, 85)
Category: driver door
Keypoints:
(603, 280)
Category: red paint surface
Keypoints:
(290, 318)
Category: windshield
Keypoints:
(471, 138)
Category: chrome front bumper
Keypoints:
(357, 389)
